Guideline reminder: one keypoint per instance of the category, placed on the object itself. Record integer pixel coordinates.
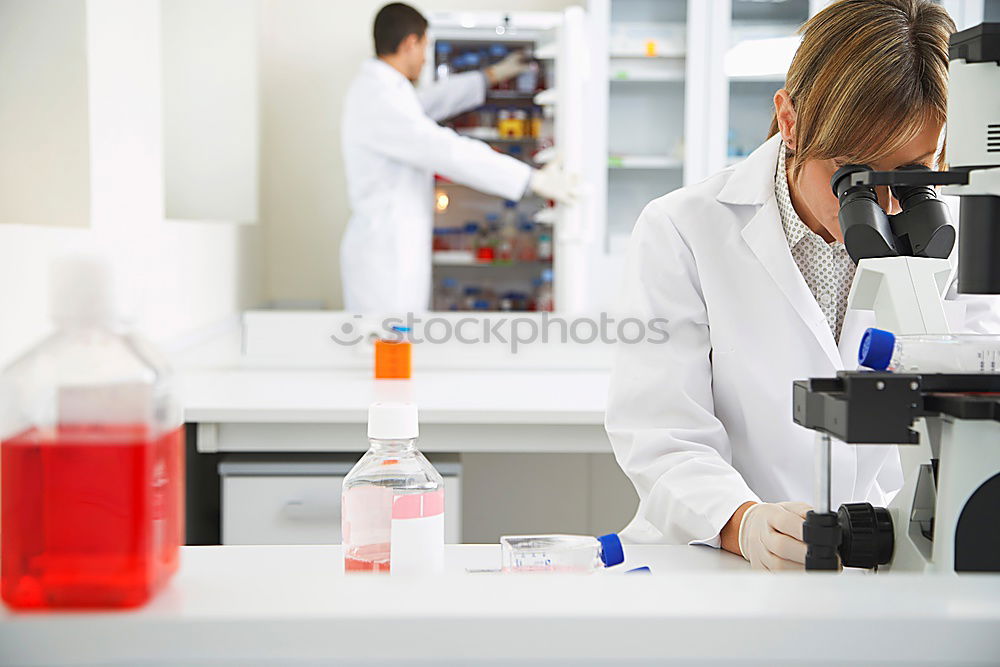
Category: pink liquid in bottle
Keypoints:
(367, 558)
(92, 516)
(392, 509)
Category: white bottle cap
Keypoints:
(392, 421)
(81, 290)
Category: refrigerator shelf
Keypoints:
(644, 162)
(509, 95)
(465, 258)
(629, 76)
(639, 54)
(492, 135)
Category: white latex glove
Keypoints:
(771, 536)
(552, 182)
(508, 68)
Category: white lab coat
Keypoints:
(703, 423)
(392, 148)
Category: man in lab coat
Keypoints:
(393, 146)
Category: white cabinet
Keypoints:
(44, 128)
(275, 500)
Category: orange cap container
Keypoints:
(392, 359)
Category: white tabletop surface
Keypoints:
(292, 605)
(444, 396)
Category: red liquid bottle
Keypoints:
(91, 458)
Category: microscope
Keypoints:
(946, 517)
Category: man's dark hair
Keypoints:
(394, 23)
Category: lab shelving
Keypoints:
(762, 42)
(515, 119)
(558, 121)
(648, 51)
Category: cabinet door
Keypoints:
(210, 116)
(44, 114)
(302, 509)
(296, 509)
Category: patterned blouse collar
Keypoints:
(795, 229)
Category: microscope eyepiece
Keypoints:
(863, 223)
(841, 183)
(911, 195)
(923, 226)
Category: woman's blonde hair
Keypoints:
(866, 77)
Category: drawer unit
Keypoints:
(267, 500)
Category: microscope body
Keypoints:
(946, 517)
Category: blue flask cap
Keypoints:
(876, 349)
(612, 552)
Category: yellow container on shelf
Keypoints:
(536, 124)
(508, 126)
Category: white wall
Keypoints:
(310, 51)
(180, 276)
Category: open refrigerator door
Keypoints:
(496, 255)
(575, 224)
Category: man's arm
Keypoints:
(461, 92)
(453, 95)
(402, 132)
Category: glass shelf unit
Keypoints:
(762, 42)
(647, 54)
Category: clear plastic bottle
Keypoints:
(507, 236)
(446, 297)
(439, 239)
(527, 243)
(92, 452)
(527, 81)
(544, 294)
(573, 554)
(472, 294)
(930, 353)
(470, 232)
(545, 246)
(393, 500)
(443, 51)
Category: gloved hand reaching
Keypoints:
(771, 536)
(552, 182)
(508, 68)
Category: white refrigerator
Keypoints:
(492, 255)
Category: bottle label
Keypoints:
(417, 536)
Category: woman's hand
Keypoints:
(770, 535)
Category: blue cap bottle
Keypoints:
(612, 552)
(876, 349)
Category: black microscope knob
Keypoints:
(866, 535)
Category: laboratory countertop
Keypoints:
(564, 397)
(292, 605)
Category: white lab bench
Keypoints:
(246, 410)
(291, 605)
(289, 395)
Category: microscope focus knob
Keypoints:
(867, 539)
